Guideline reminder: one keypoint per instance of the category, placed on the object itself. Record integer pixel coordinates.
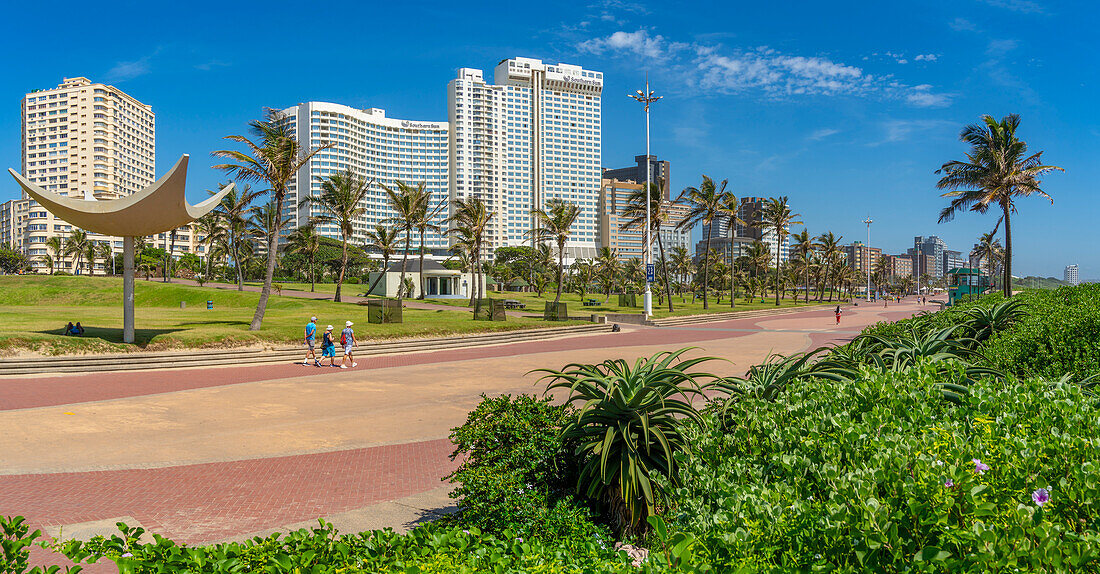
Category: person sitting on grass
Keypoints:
(78, 330)
(69, 328)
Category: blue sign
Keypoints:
(649, 273)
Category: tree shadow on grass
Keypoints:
(142, 337)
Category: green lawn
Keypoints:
(35, 309)
(683, 306)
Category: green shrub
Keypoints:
(428, 549)
(516, 474)
(1060, 334)
(878, 473)
(16, 540)
(352, 280)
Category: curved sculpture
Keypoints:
(158, 208)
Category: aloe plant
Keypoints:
(629, 424)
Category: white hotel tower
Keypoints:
(531, 136)
(375, 147)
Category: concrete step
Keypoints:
(208, 357)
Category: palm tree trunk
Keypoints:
(343, 268)
(404, 264)
(1008, 253)
(421, 295)
(706, 266)
(778, 248)
(385, 267)
(269, 274)
(561, 268)
(479, 287)
(806, 278)
(664, 265)
(828, 275)
(312, 277)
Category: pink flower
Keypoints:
(979, 466)
(1041, 496)
(949, 483)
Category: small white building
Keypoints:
(439, 282)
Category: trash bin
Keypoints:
(209, 305)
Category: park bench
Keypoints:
(513, 304)
(590, 303)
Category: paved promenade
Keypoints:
(203, 455)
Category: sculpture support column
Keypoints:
(127, 289)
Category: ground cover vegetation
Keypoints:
(962, 440)
(35, 309)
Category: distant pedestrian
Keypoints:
(328, 347)
(837, 314)
(310, 338)
(347, 339)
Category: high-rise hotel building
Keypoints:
(379, 149)
(87, 140)
(531, 136)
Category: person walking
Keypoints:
(837, 314)
(310, 338)
(347, 339)
(328, 347)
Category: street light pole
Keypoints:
(647, 98)
(867, 260)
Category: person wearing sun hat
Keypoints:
(310, 337)
(347, 339)
(328, 347)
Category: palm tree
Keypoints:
(988, 248)
(76, 245)
(681, 265)
(342, 202)
(997, 170)
(635, 212)
(48, 260)
(607, 265)
(803, 247)
(829, 247)
(405, 203)
(706, 203)
(276, 156)
(57, 248)
(554, 223)
(777, 215)
(233, 213)
(208, 231)
(306, 242)
(425, 222)
(91, 253)
(386, 241)
(265, 222)
(470, 221)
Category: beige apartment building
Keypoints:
(85, 140)
(630, 243)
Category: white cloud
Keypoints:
(962, 25)
(926, 58)
(821, 134)
(901, 130)
(715, 68)
(1022, 6)
(128, 70)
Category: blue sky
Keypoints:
(847, 108)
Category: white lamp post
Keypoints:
(867, 260)
(647, 98)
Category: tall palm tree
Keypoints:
(997, 170)
(778, 216)
(803, 247)
(680, 264)
(988, 249)
(208, 231)
(425, 222)
(57, 248)
(387, 241)
(554, 223)
(706, 203)
(731, 209)
(635, 213)
(274, 156)
(470, 220)
(305, 241)
(405, 203)
(233, 213)
(829, 247)
(607, 269)
(91, 253)
(48, 260)
(342, 202)
(76, 245)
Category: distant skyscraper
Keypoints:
(927, 255)
(860, 257)
(659, 172)
(531, 136)
(379, 149)
(953, 260)
(1070, 275)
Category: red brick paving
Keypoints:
(206, 502)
